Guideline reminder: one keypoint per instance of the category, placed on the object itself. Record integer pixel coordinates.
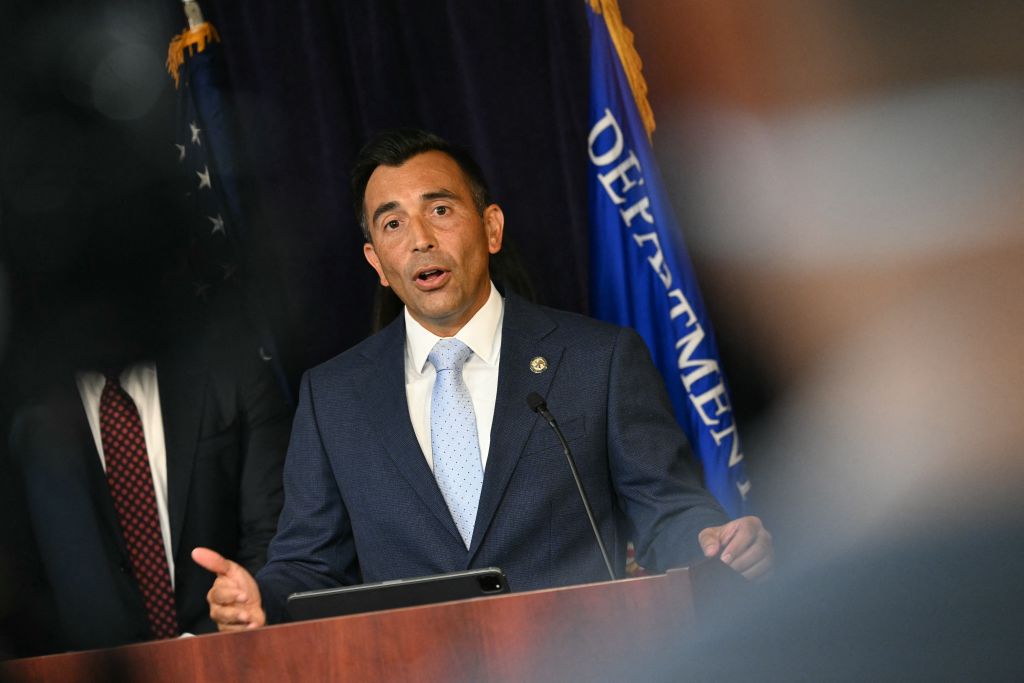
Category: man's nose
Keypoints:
(422, 234)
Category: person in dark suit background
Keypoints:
(214, 424)
(366, 494)
(96, 246)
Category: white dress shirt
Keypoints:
(482, 334)
(140, 382)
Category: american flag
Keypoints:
(206, 145)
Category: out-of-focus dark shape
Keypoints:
(94, 240)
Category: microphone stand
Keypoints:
(538, 406)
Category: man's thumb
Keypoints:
(211, 560)
(709, 543)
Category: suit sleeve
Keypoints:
(650, 462)
(265, 437)
(314, 547)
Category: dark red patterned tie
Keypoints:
(131, 487)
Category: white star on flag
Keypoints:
(218, 224)
(181, 152)
(195, 132)
(204, 178)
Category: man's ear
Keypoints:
(494, 224)
(371, 257)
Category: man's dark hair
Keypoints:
(395, 147)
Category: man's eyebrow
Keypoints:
(383, 208)
(439, 194)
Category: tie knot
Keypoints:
(449, 354)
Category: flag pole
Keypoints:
(193, 12)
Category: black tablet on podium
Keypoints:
(421, 590)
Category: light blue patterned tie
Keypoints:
(453, 436)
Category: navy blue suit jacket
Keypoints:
(361, 503)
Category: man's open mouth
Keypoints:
(430, 275)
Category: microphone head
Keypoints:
(535, 401)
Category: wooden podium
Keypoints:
(580, 633)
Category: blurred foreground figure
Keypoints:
(854, 188)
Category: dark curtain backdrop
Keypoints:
(311, 81)
(315, 79)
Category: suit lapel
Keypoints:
(388, 408)
(95, 477)
(522, 341)
(182, 392)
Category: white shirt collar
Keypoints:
(481, 334)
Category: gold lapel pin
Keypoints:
(539, 364)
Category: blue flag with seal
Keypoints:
(640, 272)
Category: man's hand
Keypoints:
(235, 598)
(743, 544)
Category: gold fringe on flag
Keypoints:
(189, 39)
(622, 37)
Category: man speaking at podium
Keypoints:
(416, 453)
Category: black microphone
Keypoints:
(538, 406)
